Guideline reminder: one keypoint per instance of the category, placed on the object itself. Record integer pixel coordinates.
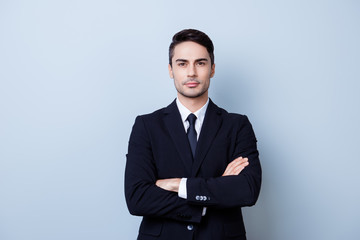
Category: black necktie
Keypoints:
(191, 133)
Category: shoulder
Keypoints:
(237, 117)
(145, 123)
(228, 116)
(235, 121)
(156, 114)
(159, 114)
(149, 119)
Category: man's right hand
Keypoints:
(236, 166)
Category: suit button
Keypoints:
(190, 227)
(197, 197)
(205, 198)
(201, 198)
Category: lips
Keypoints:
(192, 84)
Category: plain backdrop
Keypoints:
(75, 74)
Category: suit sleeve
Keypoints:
(143, 197)
(231, 191)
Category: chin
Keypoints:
(193, 95)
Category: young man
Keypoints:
(191, 166)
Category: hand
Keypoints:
(169, 184)
(236, 166)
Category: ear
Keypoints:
(212, 73)
(170, 71)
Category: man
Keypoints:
(191, 166)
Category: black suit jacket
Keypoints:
(159, 149)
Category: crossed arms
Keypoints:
(147, 195)
(232, 169)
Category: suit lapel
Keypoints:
(209, 130)
(176, 130)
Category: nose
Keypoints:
(191, 70)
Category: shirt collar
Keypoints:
(184, 112)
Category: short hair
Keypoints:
(191, 35)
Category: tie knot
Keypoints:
(191, 118)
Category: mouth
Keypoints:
(192, 84)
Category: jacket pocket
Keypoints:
(151, 227)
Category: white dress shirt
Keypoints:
(200, 115)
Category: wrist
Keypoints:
(176, 184)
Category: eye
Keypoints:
(181, 64)
(201, 63)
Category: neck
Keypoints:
(193, 104)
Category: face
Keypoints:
(191, 70)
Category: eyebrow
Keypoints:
(197, 60)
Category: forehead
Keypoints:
(190, 50)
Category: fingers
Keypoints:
(239, 168)
(236, 166)
(237, 161)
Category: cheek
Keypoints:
(205, 73)
(178, 76)
(177, 81)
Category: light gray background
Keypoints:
(75, 74)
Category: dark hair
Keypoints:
(193, 36)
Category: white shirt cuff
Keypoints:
(182, 188)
